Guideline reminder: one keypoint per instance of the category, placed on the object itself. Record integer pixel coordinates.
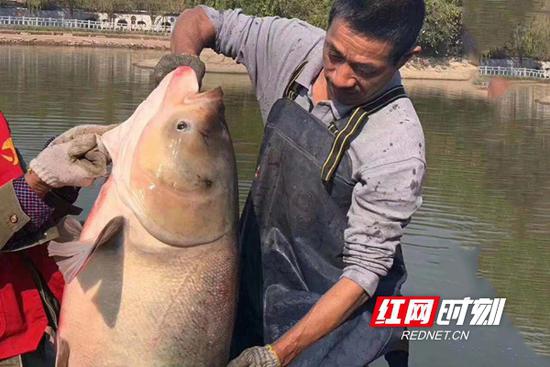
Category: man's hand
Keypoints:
(192, 33)
(170, 62)
(256, 357)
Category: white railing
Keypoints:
(79, 24)
(513, 72)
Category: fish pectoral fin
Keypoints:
(69, 229)
(71, 257)
(110, 230)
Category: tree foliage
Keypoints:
(531, 40)
(442, 31)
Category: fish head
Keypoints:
(183, 175)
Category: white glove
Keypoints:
(256, 357)
(76, 162)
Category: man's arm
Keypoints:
(193, 32)
(383, 202)
(333, 308)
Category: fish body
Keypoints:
(159, 288)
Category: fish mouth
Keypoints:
(213, 95)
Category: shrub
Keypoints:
(442, 31)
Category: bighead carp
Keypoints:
(152, 279)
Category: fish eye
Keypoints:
(182, 125)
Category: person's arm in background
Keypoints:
(73, 159)
(22, 206)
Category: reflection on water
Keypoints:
(483, 230)
(487, 191)
(45, 91)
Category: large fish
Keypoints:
(152, 279)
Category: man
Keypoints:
(33, 209)
(339, 176)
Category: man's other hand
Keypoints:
(256, 357)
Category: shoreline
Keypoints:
(432, 69)
(82, 39)
(420, 68)
(423, 68)
(461, 72)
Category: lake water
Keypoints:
(483, 230)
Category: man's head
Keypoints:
(367, 42)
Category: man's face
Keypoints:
(356, 66)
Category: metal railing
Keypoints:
(80, 24)
(513, 72)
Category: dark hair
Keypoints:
(396, 21)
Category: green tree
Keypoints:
(314, 12)
(442, 31)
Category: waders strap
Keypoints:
(292, 88)
(357, 119)
(333, 128)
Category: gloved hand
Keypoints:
(76, 162)
(170, 62)
(256, 357)
(74, 158)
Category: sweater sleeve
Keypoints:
(382, 204)
(23, 210)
